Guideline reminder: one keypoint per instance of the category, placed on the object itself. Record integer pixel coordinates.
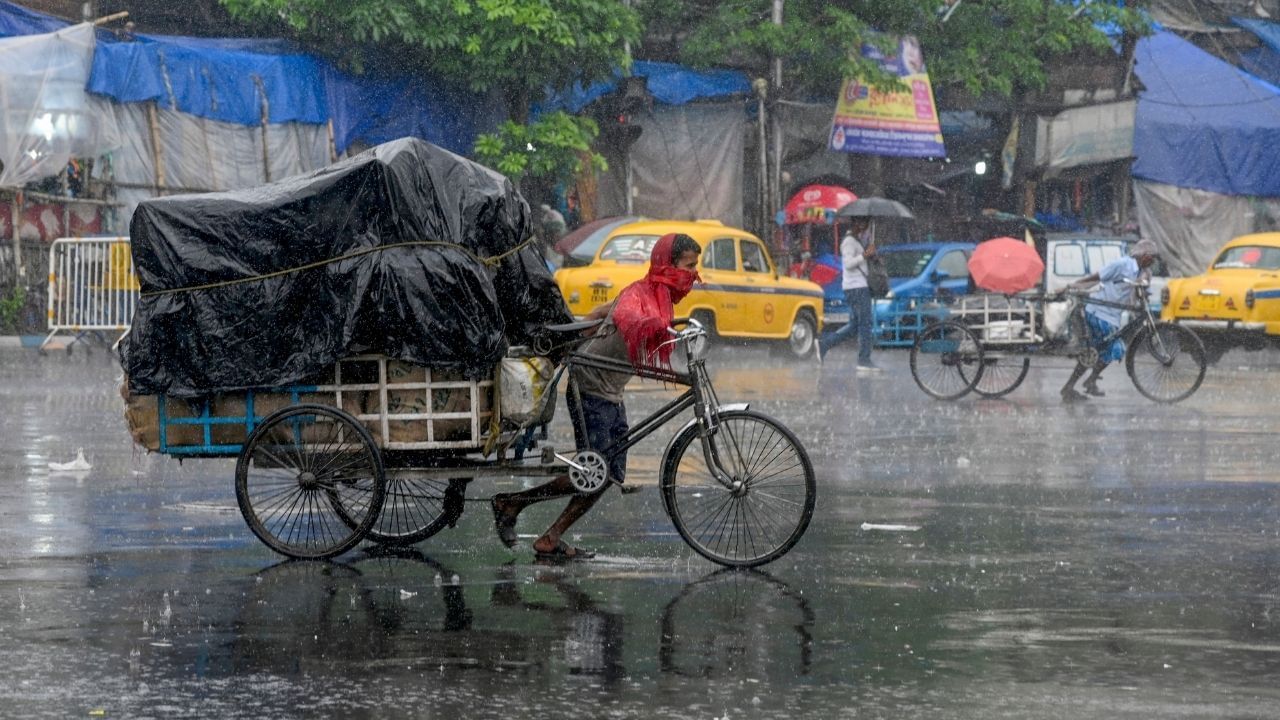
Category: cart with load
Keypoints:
(985, 343)
(368, 339)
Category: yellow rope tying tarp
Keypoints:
(490, 261)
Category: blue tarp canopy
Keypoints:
(216, 79)
(1203, 123)
(16, 20)
(668, 83)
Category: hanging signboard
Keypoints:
(898, 124)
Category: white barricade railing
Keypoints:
(92, 286)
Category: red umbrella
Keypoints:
(1006, 265)
(811, 203)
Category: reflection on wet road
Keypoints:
(1008, 558)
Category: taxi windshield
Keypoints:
(1253, 257)
(906, 263)
(629, 248)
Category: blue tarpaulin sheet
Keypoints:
(216, 79)
(16, 20)
(1203, 123)
(668, 83)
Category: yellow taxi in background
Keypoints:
(741, 294)
(1236, 302)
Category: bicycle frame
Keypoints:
(700, 396)
(1143, 319)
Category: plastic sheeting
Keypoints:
(1190, 226)
(200, 155)
(1203, 123)
(274, 307)
(45, 119)
(1267, 31)
(686, 163)
(1085, 135)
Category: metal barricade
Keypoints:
(92, 287)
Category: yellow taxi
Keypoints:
(1236, 302)
(741, 295)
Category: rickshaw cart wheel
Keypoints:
(946, 360)
(310, 481)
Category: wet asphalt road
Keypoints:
(1113, 560)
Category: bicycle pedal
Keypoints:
(548, 455)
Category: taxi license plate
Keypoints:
(1207, 302)
(599, 295)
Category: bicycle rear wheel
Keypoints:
(1166, 362)
(946, 360)
(768, 504)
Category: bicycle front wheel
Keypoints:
(764, 504)
(1166, 362)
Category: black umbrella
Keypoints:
(875, 207)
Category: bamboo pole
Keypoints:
(111, 18)
(333, 143)
(266, 117)
(16, 214)
(153, 121)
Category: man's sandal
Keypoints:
(564, 552)
(505, 524)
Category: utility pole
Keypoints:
(777, 120)
(626, 157)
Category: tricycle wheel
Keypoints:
(1001, 375)
(309, 481)
(946, 360)
(417, 506)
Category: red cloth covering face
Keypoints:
(646, 307)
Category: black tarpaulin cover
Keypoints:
(240, 289)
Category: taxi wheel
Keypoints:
(803, 335)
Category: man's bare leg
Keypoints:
(510, 506)
(1069, 392)
(573, 512)
(1091, 382)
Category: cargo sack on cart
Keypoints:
(528, 391)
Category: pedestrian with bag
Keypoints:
(857, 250)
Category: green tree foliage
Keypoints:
(518, 48)
(985, 46)
(556, 146)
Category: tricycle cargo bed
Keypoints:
(404, 406)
